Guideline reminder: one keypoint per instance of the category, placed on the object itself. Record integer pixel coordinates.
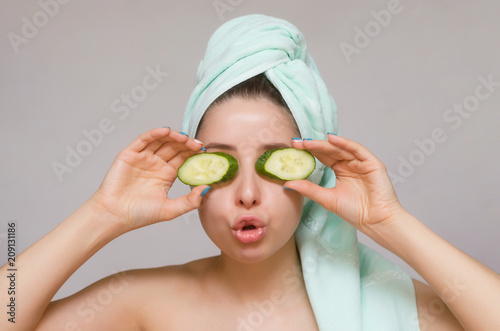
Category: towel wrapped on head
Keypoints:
(350, 287)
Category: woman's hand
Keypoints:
(363, 195)
(134, 191)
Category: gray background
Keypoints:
(397, 89)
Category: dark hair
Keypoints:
(254, 88)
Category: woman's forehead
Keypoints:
(247, 116)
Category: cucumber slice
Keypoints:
(207, 169)
(286, 164)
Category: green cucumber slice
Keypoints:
(207, 169)
(286, 164)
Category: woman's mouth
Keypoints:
(249, 229)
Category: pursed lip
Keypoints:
(245, 220)
(249, 229)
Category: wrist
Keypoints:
(391, 233)
(109, 223)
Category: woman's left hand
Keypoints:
(363, 195)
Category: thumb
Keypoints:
(321, 195)
(186, 203)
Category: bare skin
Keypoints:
(364, 197)
(258, 285)
(186, 297)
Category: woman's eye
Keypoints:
(207, 169)
(286, 164)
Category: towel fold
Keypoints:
(350, 287)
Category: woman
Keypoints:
(302, 268)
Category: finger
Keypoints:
(359, 151)
(184, 204)
(325, 152)
(169, 150)
(312, 191)
(340, 149)
(147, 138)
(176, 155)
(174, 138)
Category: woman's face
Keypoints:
(250, 217)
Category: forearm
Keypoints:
(44, 267)
(469, 288)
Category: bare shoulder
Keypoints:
(164, 285)
(433, 314)
(158, 282)
(128, 300)
(168, 296)
(167, 274)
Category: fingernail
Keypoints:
(296, 139)
(197, 141)
(332, 133)
(205, 191)
(289, 189)
(307, 139)
(203, 149)
(184, 133)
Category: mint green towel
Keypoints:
(350, 287)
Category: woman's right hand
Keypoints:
(134, 191)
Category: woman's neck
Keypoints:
(279, 275)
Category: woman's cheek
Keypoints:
(213, 209)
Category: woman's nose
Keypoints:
(248, 186)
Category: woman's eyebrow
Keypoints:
(221, 146)
(276, 145)
(229, 147)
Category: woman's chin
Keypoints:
(248, 255)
